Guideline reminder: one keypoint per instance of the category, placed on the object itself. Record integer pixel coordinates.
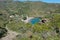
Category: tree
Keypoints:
(3, 31)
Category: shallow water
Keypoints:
(35, 20)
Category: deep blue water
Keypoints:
(35, 20)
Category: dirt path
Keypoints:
(10, 35)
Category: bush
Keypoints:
(3, 31)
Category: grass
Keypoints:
(36, 29)
(32, 9)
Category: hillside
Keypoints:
(28, 7)
(11, 13)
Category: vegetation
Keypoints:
(40, 31)
(3, 32)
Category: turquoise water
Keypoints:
(35, 20)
